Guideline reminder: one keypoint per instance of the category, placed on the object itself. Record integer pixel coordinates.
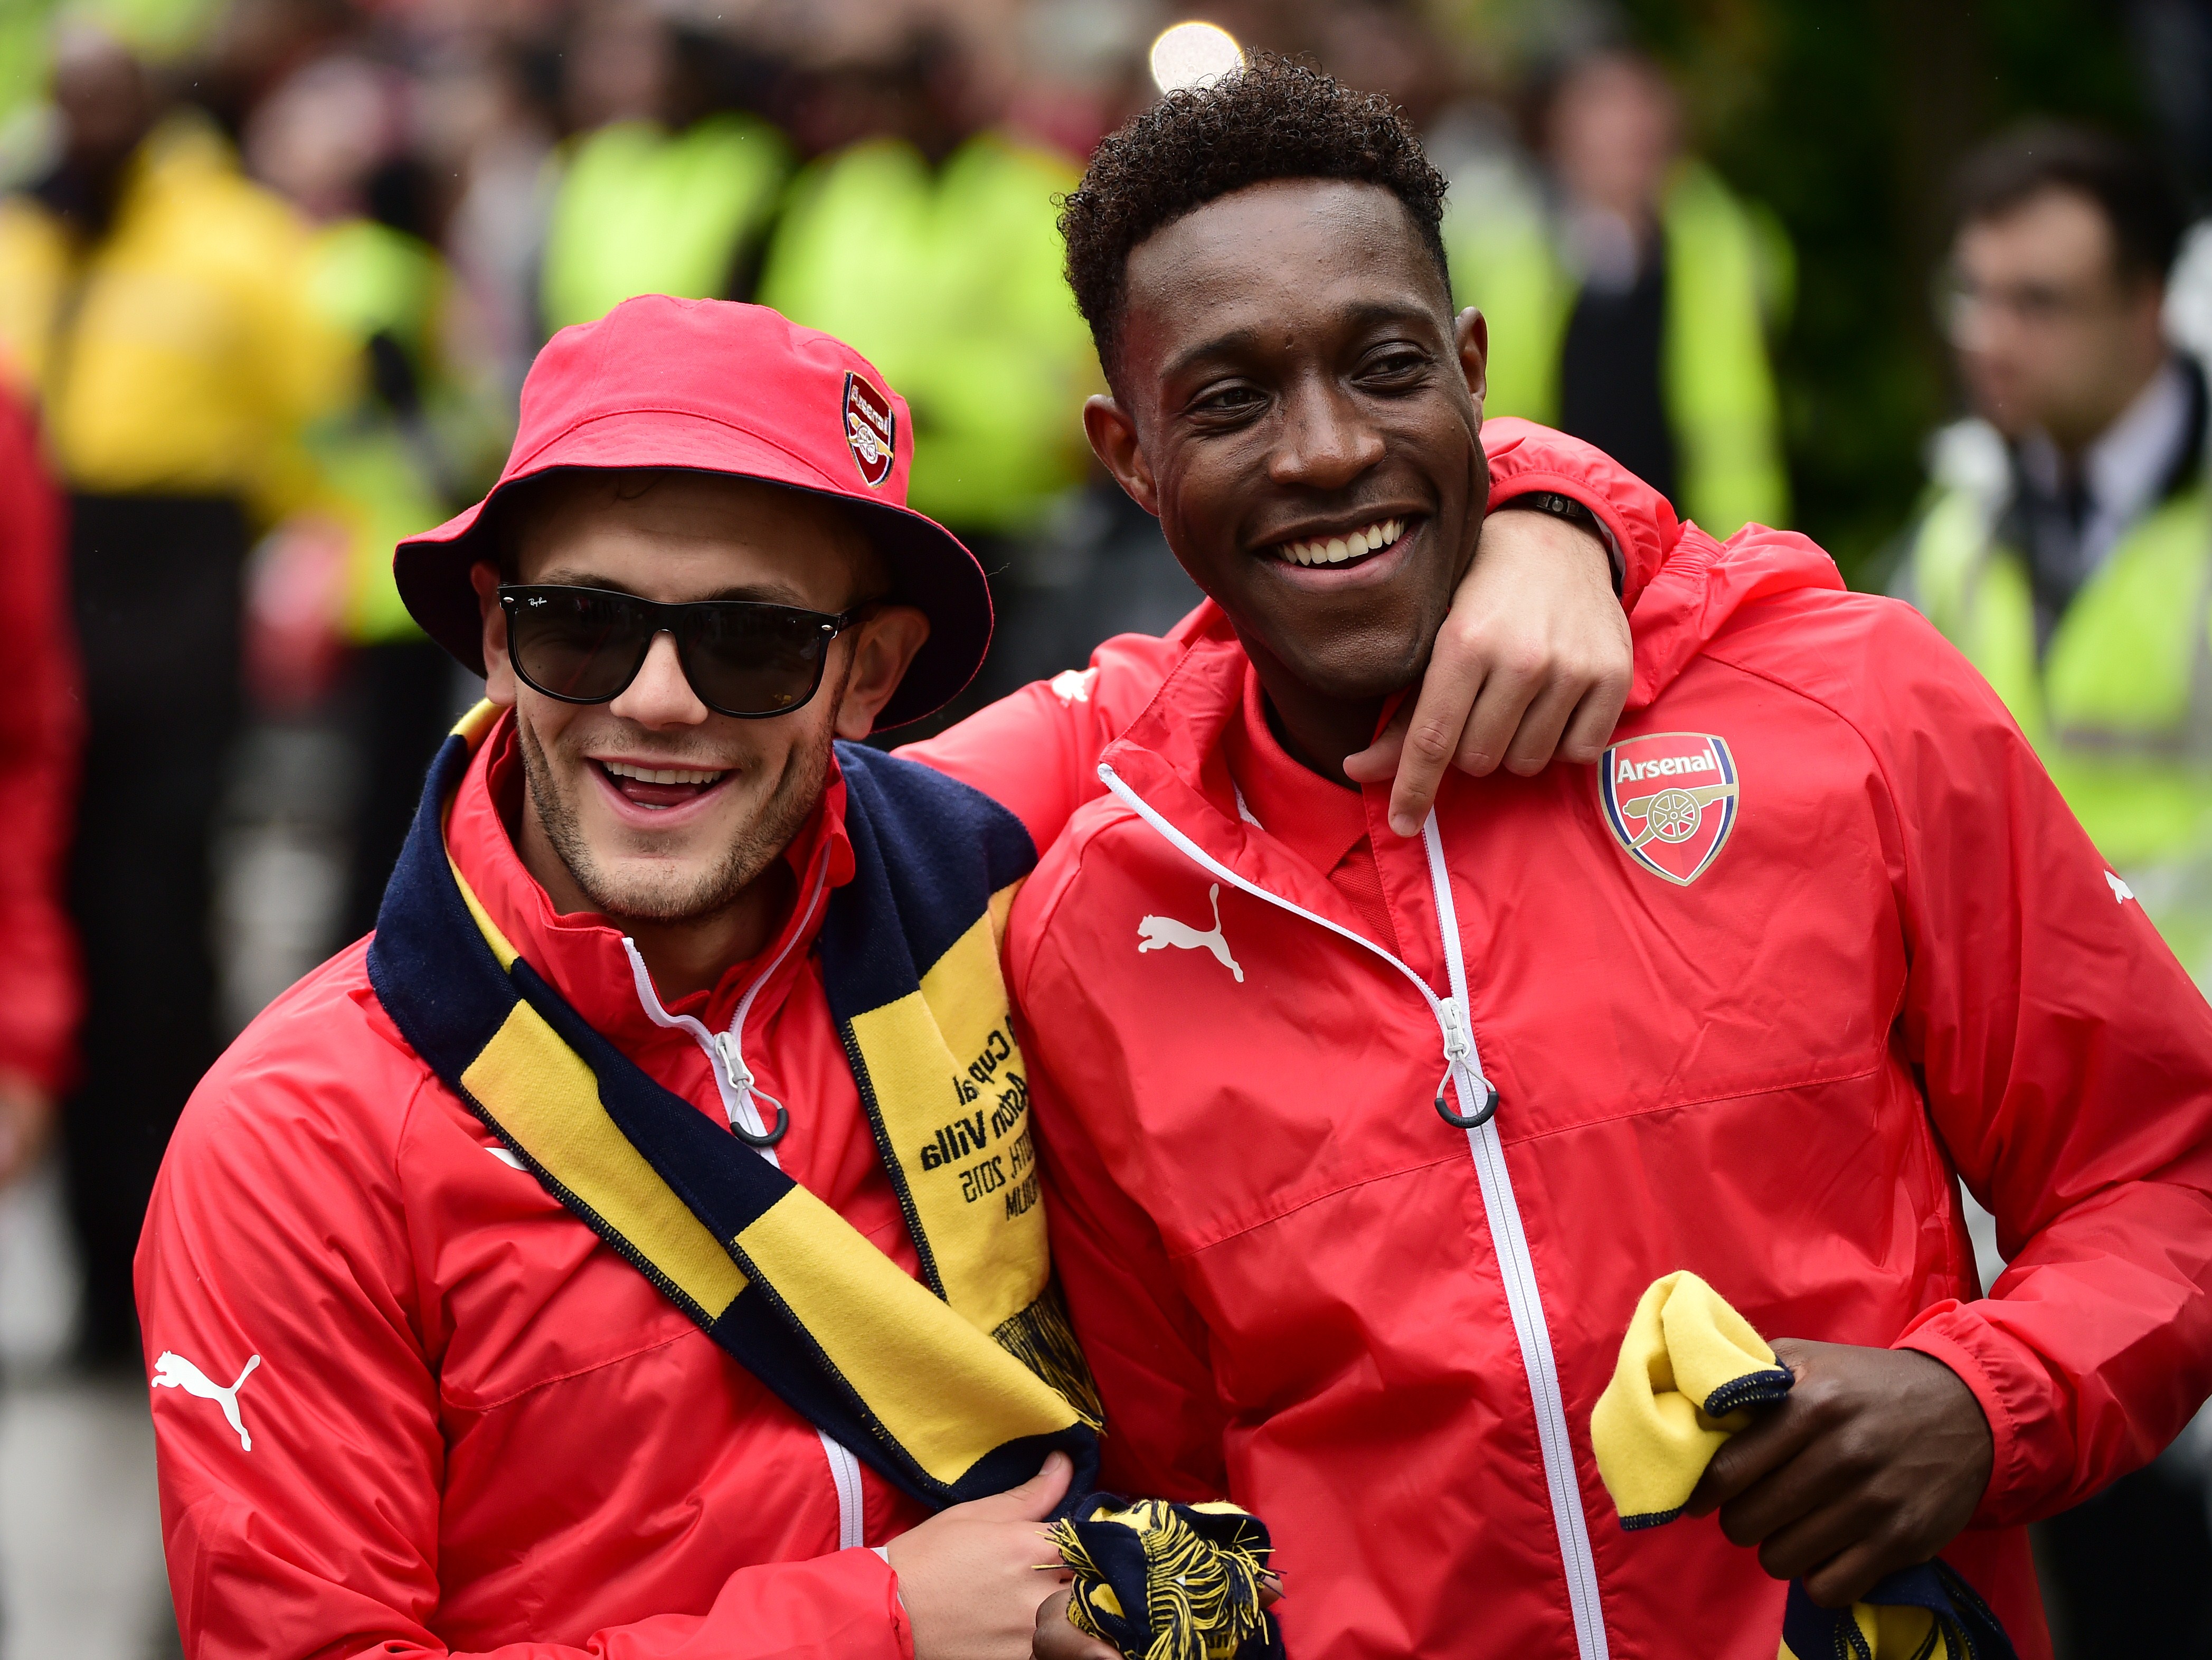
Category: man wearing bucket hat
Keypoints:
(634, 1247)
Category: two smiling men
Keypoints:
(572, 1232)
(477, 1193)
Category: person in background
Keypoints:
(1630, 295)
(156, 303)
(931, 246)
(323, 616)
(671, 184)
(40, 726)
(2067, 550)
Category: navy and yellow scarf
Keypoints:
(952, 1387)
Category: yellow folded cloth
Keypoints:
(1692, 1373)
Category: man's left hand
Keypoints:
(1874, 1462)
(1531, 660)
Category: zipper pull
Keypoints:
(1459, 1045)
(732, 1057)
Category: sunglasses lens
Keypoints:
(755, 660)
(575, 643)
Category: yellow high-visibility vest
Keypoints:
(642, 210)
(1728, 268)
(951, 284)
(181, 355)
(2119, 703)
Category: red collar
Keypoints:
(1318, 821)
(582, 953)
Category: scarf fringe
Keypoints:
(1201, 1594)
(1042, 1339)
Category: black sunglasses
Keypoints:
(744, 658)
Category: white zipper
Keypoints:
(734, 1082)
(726, 1059)
(1517, 1270)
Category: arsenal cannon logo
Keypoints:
(871, 429)
(1670, 799)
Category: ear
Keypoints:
(1113, 438)
(1472, 332)
(883, 644)
(499, 672)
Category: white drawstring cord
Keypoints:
(1460, 1064)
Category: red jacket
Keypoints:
(1905, 964)
(472, 1426)
(41, 725)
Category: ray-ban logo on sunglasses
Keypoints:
(871, 429)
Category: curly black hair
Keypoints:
(1274, 119)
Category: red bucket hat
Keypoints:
(711, 386)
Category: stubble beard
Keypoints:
(675, 896)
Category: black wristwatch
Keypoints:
(1566, 507)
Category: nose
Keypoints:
(1326, 442)
(661, 696)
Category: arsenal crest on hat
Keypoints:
(1670, 799)
(871, 429)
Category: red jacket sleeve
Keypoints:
(1037, 751)
(1525, 457)
(40, 726)
(2067, 1060)
(277, 1237)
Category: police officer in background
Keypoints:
(2067, 549)
(154, 303)
(1630, 293)
(2068, 546)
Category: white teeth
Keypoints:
(660, 775)
(1334, 550)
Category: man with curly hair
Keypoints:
(1366, 1131)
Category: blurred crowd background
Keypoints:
(271, 272)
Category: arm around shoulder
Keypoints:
(1036, 751)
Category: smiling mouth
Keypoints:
(659, 789)
(1347, 549)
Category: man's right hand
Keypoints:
(972, 1576)
(1534, 660)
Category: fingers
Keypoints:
(1745, 1459)
(1840, 1555)
(1379, 760)
(1537, 737)
(1057, 1637)
(1851, 1575)
(1436, 731)
(1036, 1498)
(1590, 728)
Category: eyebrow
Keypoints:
(770, 591)
(1366, 314)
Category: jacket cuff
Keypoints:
(1951, 1333)
(1525, 457)
(895, 1605)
